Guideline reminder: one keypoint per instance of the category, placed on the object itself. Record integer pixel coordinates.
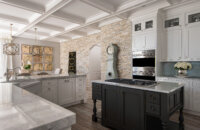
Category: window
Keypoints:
(41, 57)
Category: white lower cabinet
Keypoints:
(191, 92)
(66, 91)
(196, 96)
(49, 90)
(80, 88)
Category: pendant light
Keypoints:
(11, 48)
(36, 50)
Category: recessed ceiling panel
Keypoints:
(39, 2)
(80, 9)
(57, 22)
(14, 11)
(117, 3)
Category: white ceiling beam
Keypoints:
(94, 26)
(104, 18)
(51, 27)
(13, 19)
(44, 15)
(100, 5)
(69, 17)
(80, 33)
(64, 37)
(39, 33)
(22, 4)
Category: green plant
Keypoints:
(27, 67)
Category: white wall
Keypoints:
(56, 50)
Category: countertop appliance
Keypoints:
(144, 64)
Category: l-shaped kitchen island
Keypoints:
(32, 102)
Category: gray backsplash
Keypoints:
(168, 69)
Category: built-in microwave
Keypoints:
(143, 63)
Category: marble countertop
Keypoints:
(187, 77)
(22, 110)
(40, 77)
(163, 87)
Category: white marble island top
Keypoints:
(22, 110)
(39, 77)
(162, 87)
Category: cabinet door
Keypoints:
(187, 89)
(80, 88)
(110, 106)
(138, 42)
(174, 44)
(35, 89)
(66, 91)
(193, 32)
(150, 40)
(132, 109)
(49, 90)
(187, 93)
(196, 96)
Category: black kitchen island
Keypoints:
(138, 104)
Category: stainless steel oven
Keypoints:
(144, 64)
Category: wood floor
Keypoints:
(84, 120)
(84, 117)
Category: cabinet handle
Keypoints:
(66, 80)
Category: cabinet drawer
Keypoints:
(49, 82)
(96, 91)
(152, 98)
(153, 109)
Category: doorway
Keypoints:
(95, 63)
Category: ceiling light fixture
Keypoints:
(10, 48)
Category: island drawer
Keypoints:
(152, 97)
(153, 109)
(96, 91)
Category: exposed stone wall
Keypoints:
(118, 33)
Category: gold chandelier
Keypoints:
(11, 48)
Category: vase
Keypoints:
(182, 73)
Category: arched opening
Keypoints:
(95, 63)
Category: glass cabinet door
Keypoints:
(172, 22)
(194, 18)
(138, 27)
(149, 24)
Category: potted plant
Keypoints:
(182, 68)
(27, 67)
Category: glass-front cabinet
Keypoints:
(143, 25)
(172, 22)
(192, 18)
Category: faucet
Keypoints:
(10, 72)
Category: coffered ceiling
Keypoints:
(62, 20)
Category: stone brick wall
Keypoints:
(118, 33)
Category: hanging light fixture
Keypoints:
(10, 48)
(35, 49)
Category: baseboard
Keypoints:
(73, 103)
(192, 112)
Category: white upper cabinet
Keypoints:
(182, 39)
(192, 34)
(174, 44)
(144, 33)
(138, 42)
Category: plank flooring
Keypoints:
(84, 120)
